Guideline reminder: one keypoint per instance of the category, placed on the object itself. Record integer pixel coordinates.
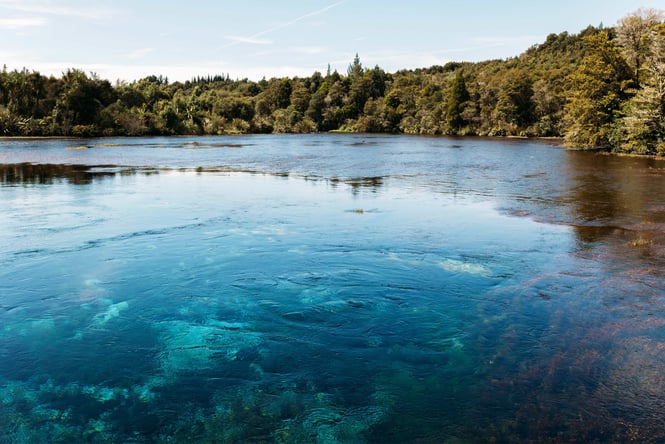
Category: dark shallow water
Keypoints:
(329, 289)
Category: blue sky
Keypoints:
(130, 39)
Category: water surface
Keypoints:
(329, 288)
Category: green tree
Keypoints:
(514, 108)
(596, 92)
(300, 96)
(457, 101)
(634, 35)
(355, 69)
(80, 102)
(643, 127)
(316, 105)
(548, 107)
(583, 86)
(391, 111)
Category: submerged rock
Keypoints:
(450, 265)
(457, 266)
(192, 347)
(113, 311)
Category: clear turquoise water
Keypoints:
(329, 289)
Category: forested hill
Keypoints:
(601, 88)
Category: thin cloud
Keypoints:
(287, 24)
(37, 7)
(20, 23)
(250, 40)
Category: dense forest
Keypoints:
(601, 88)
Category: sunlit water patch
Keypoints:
(160, 305)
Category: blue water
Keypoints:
(329, 289)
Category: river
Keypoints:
(329, 289)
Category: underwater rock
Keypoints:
(192, 347)
(456, 266)
(411, 262)
(450, 265)
(113, 311)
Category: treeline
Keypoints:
(601, 88)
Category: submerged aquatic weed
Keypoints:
(640, 242)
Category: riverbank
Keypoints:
(552, 140)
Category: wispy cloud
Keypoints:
(20, 23)
(286, 24)
(250, 40)
(47, 8)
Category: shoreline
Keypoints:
(556, 140)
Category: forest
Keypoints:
(603, 88)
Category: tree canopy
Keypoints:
(601, 88)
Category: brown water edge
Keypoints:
(601, 385)
(642, 241)
(632, 155)
(594, 372)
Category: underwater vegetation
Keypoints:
(259, 295)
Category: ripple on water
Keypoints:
(388, 300)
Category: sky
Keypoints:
(130, 39)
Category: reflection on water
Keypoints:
(27, 173)
(45, 174)
(329, 289)
(617, 208)
(616, 191)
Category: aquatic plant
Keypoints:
(641, 242)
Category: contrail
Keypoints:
(284, 25)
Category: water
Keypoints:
(329, 289)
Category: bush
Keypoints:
(84, 131)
